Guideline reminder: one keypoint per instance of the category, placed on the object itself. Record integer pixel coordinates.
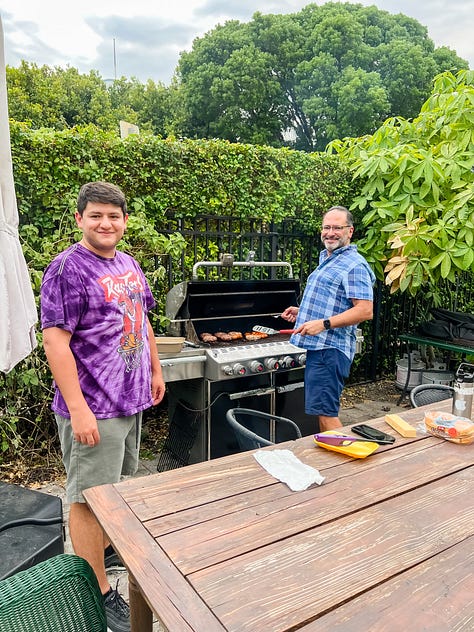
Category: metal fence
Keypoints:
(209, 236)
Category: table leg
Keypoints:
(141, 618)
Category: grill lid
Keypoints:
(220, 299)
(194, 307)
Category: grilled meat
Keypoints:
(235, 335)
(253, 336)
(206, 337)
(222, 335)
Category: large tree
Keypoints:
(61, 98)
(57, 98)
(307, 78)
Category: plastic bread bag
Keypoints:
(450, 427)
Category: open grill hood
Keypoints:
(195, 307)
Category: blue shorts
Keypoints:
(325, 373)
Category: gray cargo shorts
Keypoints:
(114, 456)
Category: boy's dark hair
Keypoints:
(102, 192)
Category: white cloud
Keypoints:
(150, 36)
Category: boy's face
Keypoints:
(103, 226)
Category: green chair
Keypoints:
(60, 594)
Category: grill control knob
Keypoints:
(256, 366)
(272, 364)
(301, 359)
(235, 369)
(287, 362)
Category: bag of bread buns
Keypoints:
(450, 427)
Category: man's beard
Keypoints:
(333, 245)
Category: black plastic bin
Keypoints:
(31, 528)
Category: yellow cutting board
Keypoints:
(356, 449)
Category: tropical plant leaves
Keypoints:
(421, 200)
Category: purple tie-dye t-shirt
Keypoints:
(103, 303)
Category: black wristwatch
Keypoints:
(327, 323)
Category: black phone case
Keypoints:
(384, 438)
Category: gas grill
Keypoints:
(199, 307)
(206, 379)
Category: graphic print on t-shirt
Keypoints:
(127, 289)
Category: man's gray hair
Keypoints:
(349, 216)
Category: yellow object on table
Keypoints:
(358, 449)
(400, 425)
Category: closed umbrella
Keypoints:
(18, 314)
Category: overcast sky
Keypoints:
(143, 38)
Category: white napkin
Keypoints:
(286, 467)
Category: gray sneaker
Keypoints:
(117, 611)
(112, 561)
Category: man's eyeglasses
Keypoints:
(336, 229)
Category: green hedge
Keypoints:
(173, 177)
(162, 179)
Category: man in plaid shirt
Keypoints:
(338, 296)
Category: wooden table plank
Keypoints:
(161, 584)
(269, 518)
(293, 581)
(436, 595)
(198, 484)
(236, 488)
(253, 556)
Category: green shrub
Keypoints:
(162, 179)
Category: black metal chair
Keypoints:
(254, 429)
(430, 394)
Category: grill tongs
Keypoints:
(271, 332)
(337, 439)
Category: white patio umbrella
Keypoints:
(18, 314)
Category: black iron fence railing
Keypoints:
(209, 236)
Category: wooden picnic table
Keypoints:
(386, 543)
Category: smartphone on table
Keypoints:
(372, 434)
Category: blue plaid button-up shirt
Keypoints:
(339, 278)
